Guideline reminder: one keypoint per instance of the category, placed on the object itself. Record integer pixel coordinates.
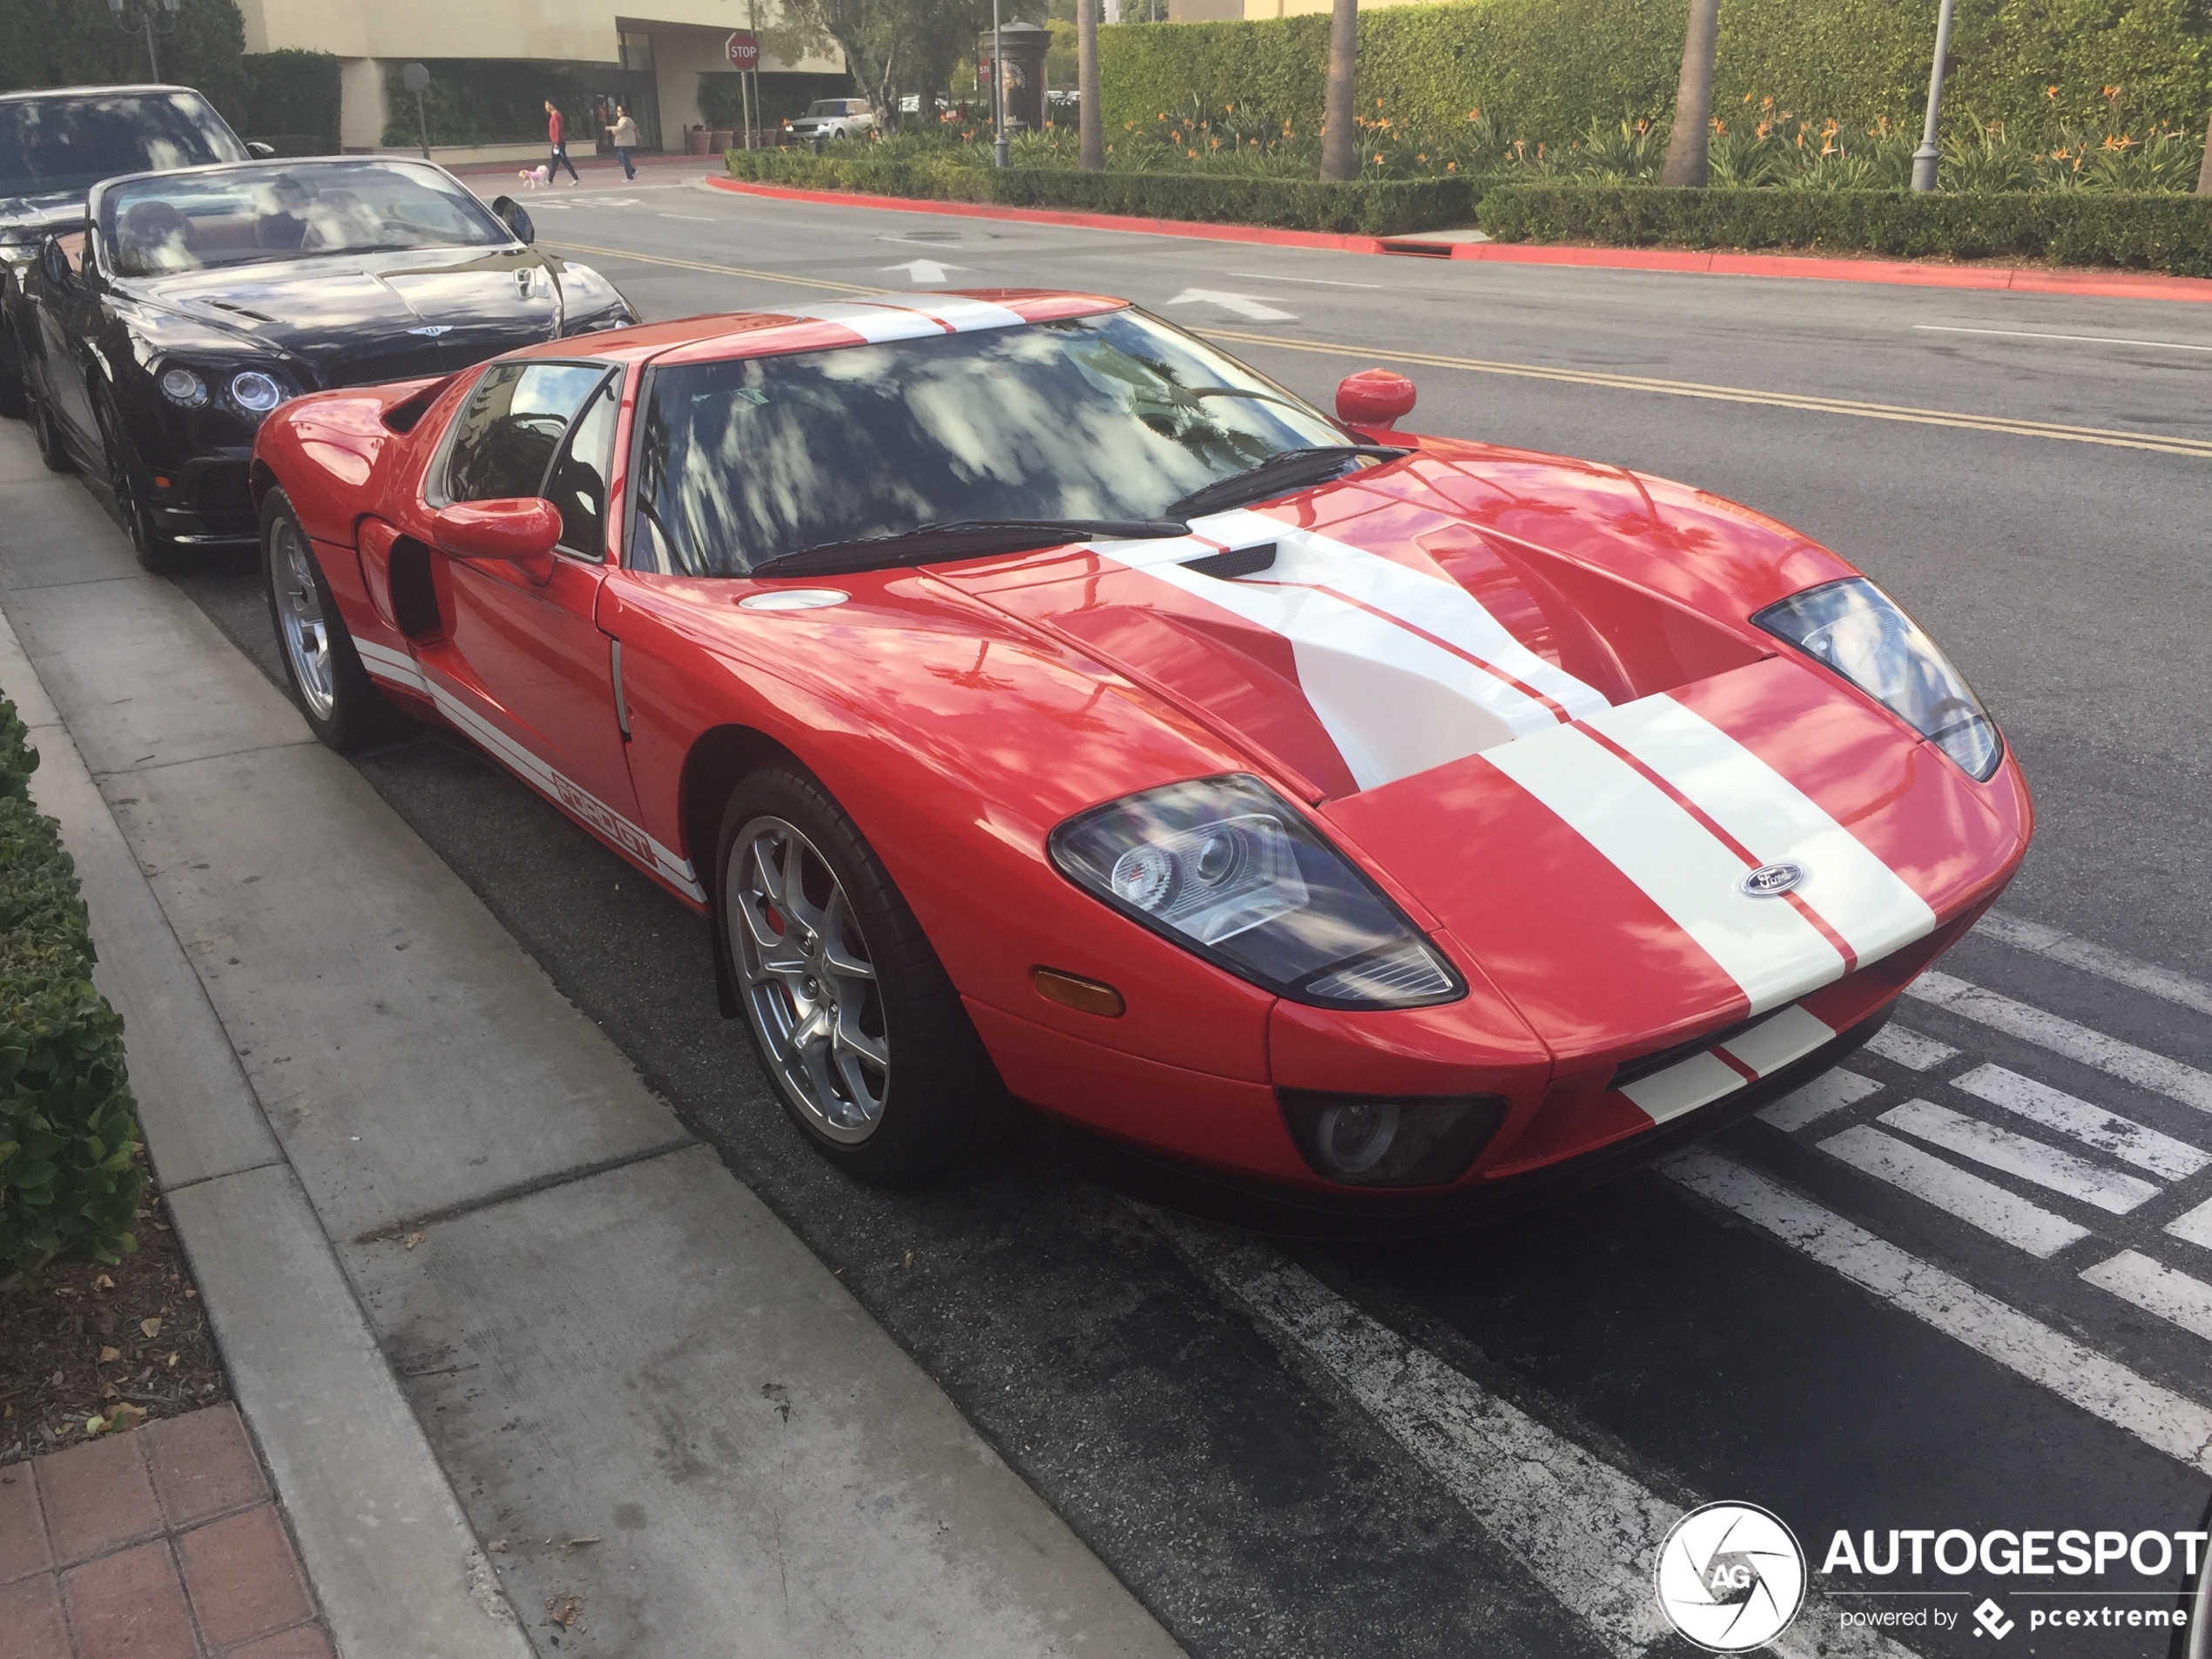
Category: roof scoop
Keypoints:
(1237, 560)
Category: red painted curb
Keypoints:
(2120, 284)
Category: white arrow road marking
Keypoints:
(1243, 304)
(920, 271)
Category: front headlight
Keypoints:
(1857, 630)
(183, 387)
(1223, 867)
(254, 391)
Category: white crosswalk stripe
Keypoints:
(1956, 1192)
(2047, 1166)
(2124, 1138)
(1829, 1092)
(2196, 1226)
(1910, 1049)
(2122, 1060)
(2156, 1288)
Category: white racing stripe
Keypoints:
(2125, 1139)
(1854, 892)
(1585, 1531)
(2109, 1055)
(1999, 1149)
(1828, 1092)
(875, 324)
(2157, 1289)
(397, 666)
(2180, 1428)
(958, 313)
(1953, 1190)
(1910, 1049)
(1683, 1087)
(1772, 1044)
(1770, 950)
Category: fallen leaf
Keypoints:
(173, 1361)
(498, 1547)
(127, 1416)
(104, 1282)
(588, 1538)
(413, 1239)
(95, 1425)
(109, 1390)
(151, 1327)
(564, 1610)
(108, 1356)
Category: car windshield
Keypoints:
(49, 145)
(288, 211)
(826, 106)
(1100, 417)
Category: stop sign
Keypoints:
(744, 49)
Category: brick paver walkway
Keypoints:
(163, 1543)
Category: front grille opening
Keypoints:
(1644, 1065)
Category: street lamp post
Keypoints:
(414, 78)
(164, 14)
(998, 86)
(1926, 158)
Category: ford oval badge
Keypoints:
(1772, 881)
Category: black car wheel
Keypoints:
(53, 448)
(344, 708)
(855, 1019)
(126, 479)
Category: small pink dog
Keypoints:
(533, 177)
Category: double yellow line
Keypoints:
(2199, 448)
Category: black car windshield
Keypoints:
(51, 144)
(293, 210)
(1098, 417)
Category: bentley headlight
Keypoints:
(254, 391)
(1223, 867)
(183, 387)
(1857, 630)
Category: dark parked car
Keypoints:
(56, 145)
(191, 304)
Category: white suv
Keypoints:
(832, 118)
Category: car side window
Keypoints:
(513, 424)
(577, 485)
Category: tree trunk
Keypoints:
(1089, 124)
(1685, 167)
(1339, 138)
(2204, 172)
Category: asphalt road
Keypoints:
(1867, 1312)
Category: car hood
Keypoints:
(1528, 693)
(27, 218)
(353, 320)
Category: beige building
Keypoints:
(654, 62)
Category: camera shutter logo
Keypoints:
(1730, 1577)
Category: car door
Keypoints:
(524, 660)
(69, 320)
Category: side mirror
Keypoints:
(54, 266)
(259, 150)
(510, 212)
(522, 532)
(1375, 398)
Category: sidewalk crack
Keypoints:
(521, 1190)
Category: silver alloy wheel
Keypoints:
(299, 607)
(807, 980)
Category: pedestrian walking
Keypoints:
(556, 129)
(625, 138)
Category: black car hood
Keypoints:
(350, 320)
(26, 218)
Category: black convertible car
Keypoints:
(192, 303)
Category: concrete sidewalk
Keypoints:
(629, 1407)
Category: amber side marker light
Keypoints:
(1073, 991)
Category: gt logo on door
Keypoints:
(603, 817)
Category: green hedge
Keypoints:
(488, 100)
(294, 105)
(73, 43)
(69, 1178)
(1547, 69)
(1382, 208)
(2168, 233)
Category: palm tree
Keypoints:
(1337, 160)
(1091, 133)
(1685, 168)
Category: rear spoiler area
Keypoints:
(410, 400)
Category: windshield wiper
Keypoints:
(959, 539)
(1284, 470)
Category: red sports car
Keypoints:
(1040, 701)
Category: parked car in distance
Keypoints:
(832, 118)
(56, 145)
(1390, 827)
(191, 304)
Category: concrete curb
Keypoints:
(2120, 285)
(381, 1533)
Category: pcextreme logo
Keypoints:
(1730, 1577)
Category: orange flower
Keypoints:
(2051, 92)
(1451, 166)
(1378, 103)
(1379, 158)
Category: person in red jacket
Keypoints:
(557, 131)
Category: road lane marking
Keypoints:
(1312, 282)
(2024, 333)
(2164, 982)
(2160, 1418)
(1910, 1049)
(2124, 1138)
(1829, 1092)
(2194, 1225)
(2200, 449)
(2108, 1054)
(2157, 1289)
(1244, 305)
(1583, 1529)
(698, 218)
(1956, 1192)
(716, 270)
(2031, 1160)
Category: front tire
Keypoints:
(343, 707)
(53, 448)
(126, 480)
(854, 1019)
